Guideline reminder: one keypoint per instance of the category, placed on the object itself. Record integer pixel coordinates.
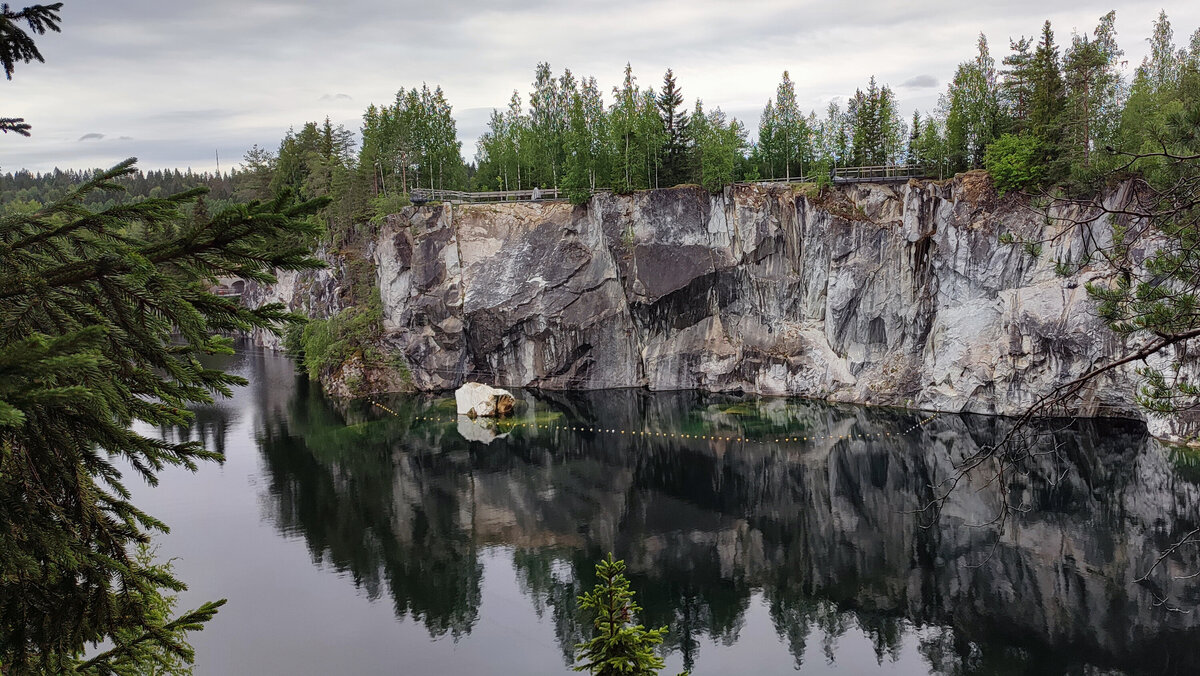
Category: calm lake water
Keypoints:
(349, 540)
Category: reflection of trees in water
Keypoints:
(209, 425)
(827, 532)
(551, 578)
(388, 518)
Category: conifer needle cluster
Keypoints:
(104, 319)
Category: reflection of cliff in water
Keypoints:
(827, 531)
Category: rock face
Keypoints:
(880, 294)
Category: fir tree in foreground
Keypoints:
(619, 646)
(17, 46)
(104, 318)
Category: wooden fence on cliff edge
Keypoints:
(884, 173)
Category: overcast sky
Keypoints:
(176, 82)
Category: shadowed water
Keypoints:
(353, 540)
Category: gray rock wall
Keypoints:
(880, 294)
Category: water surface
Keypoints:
(353, 540)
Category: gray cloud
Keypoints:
(920, 82)
(186, 81)
(94, 136)
(192, 116)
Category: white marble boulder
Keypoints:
(485, 401)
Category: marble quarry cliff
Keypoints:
(900, 295)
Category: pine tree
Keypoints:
(1017, 87)
(16, 45)
(104, 316)
(768, 144)
(675, 122)
(789, 127)
(1047, 95)
(1047, 104)
(1084, 70)
(619, 647)
(912, 152)
(254, 181)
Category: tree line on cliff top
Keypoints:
(1042, 116)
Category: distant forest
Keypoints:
(1041, 117)
(26, 191)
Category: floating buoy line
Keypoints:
(508, 426)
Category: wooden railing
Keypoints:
(885, 172)
(793, 179)
(882, 173)
(421, 195)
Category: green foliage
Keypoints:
(16, 45)
(1014, 162)
(385, 204)
(931, 149)
(21, 189)
(719, 144)
(822, 172)
(972, 110)
(636, 135)
(869, 131)
(413, 143)
(163, 648)
(628, 239)
(580, 159)
(1047, 91)
(675, 120)
(785, 140)
(1093, 89)
(1160, 298)
(104, 316)
(876, 129)
(618, 646)
(325, 344)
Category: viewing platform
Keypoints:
(884, 173)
